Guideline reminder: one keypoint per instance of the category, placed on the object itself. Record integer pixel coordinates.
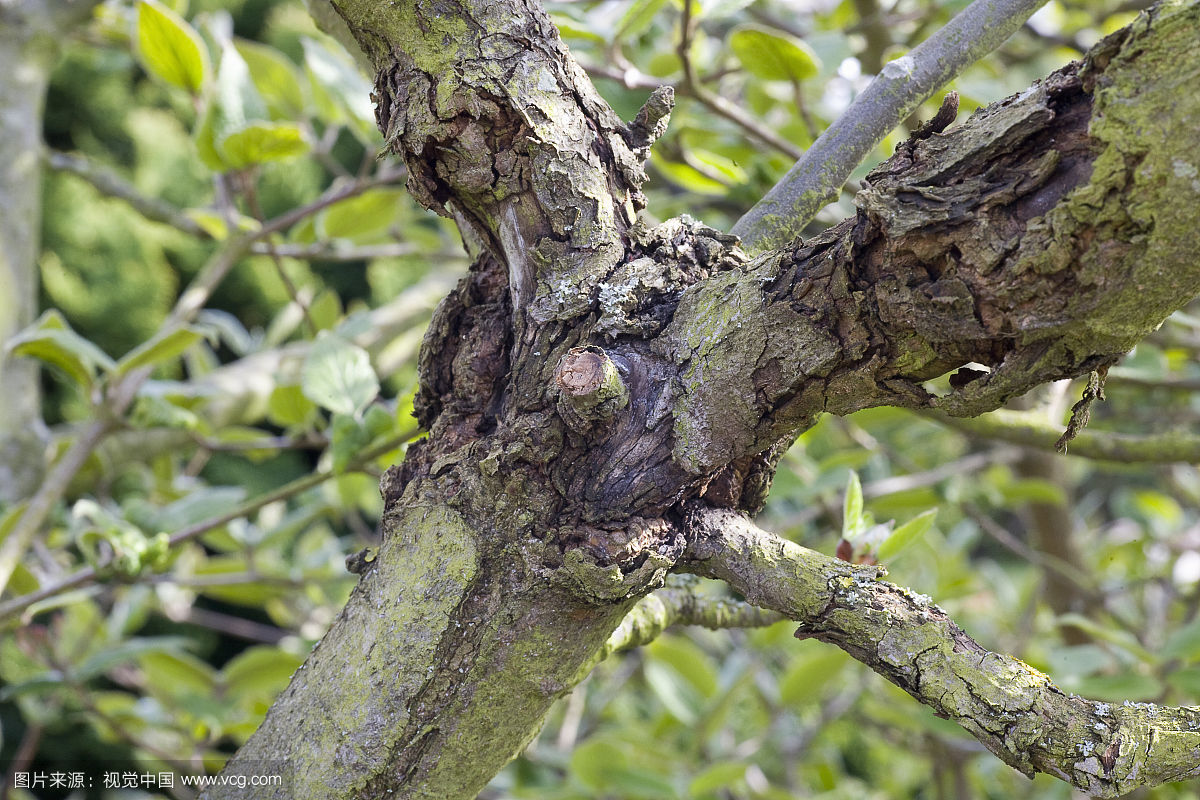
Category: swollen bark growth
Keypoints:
(594, 384)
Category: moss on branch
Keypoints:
(1016, 711)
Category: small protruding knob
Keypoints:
(590, 389)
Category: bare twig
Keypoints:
(122, 393)
(693, 88)
(110, 183)
(88, 574)
(901, 86)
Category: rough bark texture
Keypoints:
(1017, 712)
(1041, 239)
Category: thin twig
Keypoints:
(89, 574)
(123, 392)
(694, 88)
(901, 86)
(1033, 430)
(110, 183)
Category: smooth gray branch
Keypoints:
(815, 179)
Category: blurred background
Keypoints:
(226, 458)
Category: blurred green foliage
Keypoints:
(252, 431)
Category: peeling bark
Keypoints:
(1040, 239)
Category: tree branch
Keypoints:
(87, 575)
(679, 603)
(897, 91)
(980, 247)
(1013, 709)
(1034, 430)
(108, 182)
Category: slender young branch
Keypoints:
(53, 486)
(1034, 430)
(87, 575)
(121, 394)
(108, 182)
(717, 104)
(1011, 708)
(679, 603)
(902, 85)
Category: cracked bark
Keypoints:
(1017, 712)
(1041, 239)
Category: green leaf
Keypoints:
(379, 422)
(337, 376)
(1033, 490)
(1186, 681)
(1184, 642)
(722, 775)
(169, 48)
(770, 56)
(176, 674)
(236, 130)
(679, 699)
(163, 347)
(349, 438)
(275, 77)
(687, 177)
(125, 651)
(46, 682)
(51, 340)
(326, 310)
(341, 93)
(371, 212)
(260, 671)
(808, 673)
(1114, 636)
(906, 534)
(638, 17)
(288, 406)
(685, 657)
(263, 141)
(852, 507)
(592, 762)
(1115, 688)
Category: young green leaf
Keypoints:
(906, 534)
(337, 376)
(638, 17)
(50, 340)
(169, 48)
(767, 55)
(163, 347)
(263, 141)
(852, 507)
(275, 77)
(372, 212)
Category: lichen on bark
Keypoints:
(518, 538)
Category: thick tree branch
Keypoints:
(1041, 240)
(1017, 712)
(895, 93)
(516, 145)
